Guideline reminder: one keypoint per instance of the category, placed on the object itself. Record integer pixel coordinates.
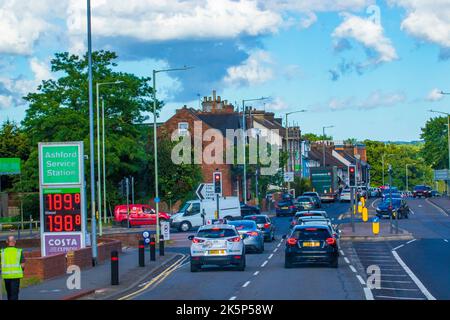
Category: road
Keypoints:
(264, 278)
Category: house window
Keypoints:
(183, 128)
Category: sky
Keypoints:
(371, 69)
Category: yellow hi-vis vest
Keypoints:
(10, 259)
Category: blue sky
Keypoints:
(370, 75)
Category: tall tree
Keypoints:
(435, 135)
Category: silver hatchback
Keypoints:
(254, 238)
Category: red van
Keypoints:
(140, 214)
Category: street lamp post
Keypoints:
(244, 129)
(323, 144)
(91, 138)
(448, 137)
(99, 190)
(406, 175)
(155, 142)
(287, 142)
(382, 161)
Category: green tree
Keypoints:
(435, 150)
(314, 137)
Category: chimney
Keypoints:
(214, 100)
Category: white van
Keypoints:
(196, 213)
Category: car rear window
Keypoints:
(215, 233)
(311, 233)
(284, 203)
(243, 224)
(303, 199)
(420, 188)
(256, 219)
(307, 214)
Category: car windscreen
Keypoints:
(420, 188)
(311, 233)
(304, 199)
(309, 214)
(256, 219)
(395, 201)
(243, 225)
(310, 194)
(284, 203)
(215, 233)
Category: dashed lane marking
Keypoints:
(416, 280)
(233, 298)
(445, 240)
(342, 252)
(346, 260)
(256, 273)
(264, 264)
(352, 268)
(275, 250)
(368, 294)
(271, 255)
(361, 280)
(245, 284)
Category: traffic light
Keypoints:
(217, 178)
(352, 176)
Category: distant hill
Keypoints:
(417, 142)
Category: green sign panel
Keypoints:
(9, 166)
(60, 163)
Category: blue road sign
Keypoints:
(147, 240)
(376, 219)
(157, 200)
(146, 234)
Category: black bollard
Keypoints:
(141, 253)
(152, 249)
(114, 268)
(161, 245)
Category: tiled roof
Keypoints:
(221, 121)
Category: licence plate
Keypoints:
(284, 208)
(216, 252)
(311, 244)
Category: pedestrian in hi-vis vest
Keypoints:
(12, 267)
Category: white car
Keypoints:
(217, 244)
(345, 195)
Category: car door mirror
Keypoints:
(191, 237)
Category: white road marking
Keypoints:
(394, 275)
(445, 240)
(368, 294)
(396, 281)
(410, 241)
(256, 273)
(416, 280)
(342, 252)
(400, 246)
(352, 268)
(346, 260)
(275, 250)
(264, 264)
(271, 255)
(246, 284)
(278, 245)
(410, 210)
(437, 207)
(399, 298)
(361, 280)
(395, 289)
(233, 298)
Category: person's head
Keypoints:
(11, 241)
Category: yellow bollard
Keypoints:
(376, 226)
(360, 208)
(365, 214)
(363, 201)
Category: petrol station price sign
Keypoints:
(62, 197)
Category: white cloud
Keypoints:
(435, 95)
(375, 100)
(427, 20)
(368, 33)
(255, 70)
(276, 104)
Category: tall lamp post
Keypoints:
(91, 138)
(155, 142)
(323, 144)
(448, 133)
(99, 190)
(287, 142)
(382, 161)
(244, 129)
(406, 175)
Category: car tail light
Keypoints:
(331, 241)
(291, 207)
(197, 240)
(291, 241)
(252, 233)
(310, 203)
(267, 225)
(311, 229)
(235, 239)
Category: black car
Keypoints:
(264, 224)
(316, 198)
(399, 207)
(422, 191)
(248, 210)
(285, 208)
(311, 244)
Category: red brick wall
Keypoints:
(45, 267)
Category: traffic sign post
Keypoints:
(205, 191)
(217, 181)
(62, 201)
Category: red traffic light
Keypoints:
(217, 177)
(352, 169)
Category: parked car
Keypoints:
(217, 244)
(285, 208)
(398, 205)
(264, 224)
(305, 203)
(374, 192)
(254, 241)
(316, 197)
(435, 193)
(421, 191)
(311, 244)
(345, 195)
(247, 209)
(139, 215)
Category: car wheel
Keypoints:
(334, 263)
(287, 264)
(185, 226)
(241, 265)
(194, 268)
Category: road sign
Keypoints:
(165, 230)
(62, 201)
(205, 191)
(146, 234)
(288, 177)
(9, 166)
(441, 174)
(147, 240)
(157, 200)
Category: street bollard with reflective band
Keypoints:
(152, 249)
(141, 253)
(376, 226)
(365, 214)
(161, 245)
(360, 208)
(114, 268)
